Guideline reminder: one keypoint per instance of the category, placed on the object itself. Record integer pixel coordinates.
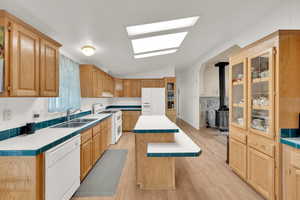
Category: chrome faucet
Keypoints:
(70, 112)
(94, 107)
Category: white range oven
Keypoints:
(116, 121)
(116, 124)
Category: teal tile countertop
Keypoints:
(43, 139)
(290, 137)
(155, 124)
(126, 107)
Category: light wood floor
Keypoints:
(202, 178)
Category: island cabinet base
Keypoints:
(21, 178)
(154, 173)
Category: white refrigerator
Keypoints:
(153, 101)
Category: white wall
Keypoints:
(187, 95)
(22, 110)
(211, 81)
(285, 17)
(158, 73)
(126, 101)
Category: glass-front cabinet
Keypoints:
(238, 90)
(261, 97)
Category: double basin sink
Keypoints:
(75, 123)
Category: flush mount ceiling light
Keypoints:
(156, 43)
(161, 26)
(88, 50)
(157, 53)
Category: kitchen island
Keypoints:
(158, 141)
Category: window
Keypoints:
(69, 87)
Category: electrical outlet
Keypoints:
(6, 114)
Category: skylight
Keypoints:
(157, 53)
(161, 26)
(156, 43)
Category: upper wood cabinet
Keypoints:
(31, 60)
(95, 83)
(49, 69)
(153, 83)
(25, 65)
(118, 87)
(132, 88)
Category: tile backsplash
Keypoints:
(22, 110)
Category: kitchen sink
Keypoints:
(83, 120)
(70, 125)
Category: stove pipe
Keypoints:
(222, 88)
(223, 111)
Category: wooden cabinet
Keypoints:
(262, 100)
(96, 147)
(261, 173)
(153, 83)
(238, 92)
(238, 157)
(94, 142)
(95, 83)
(132, 88)
(31, 60)
(129, 119)
(49, 72)
(118, 90)
(291, 173)
(170, 86)
(86, 158)
(25, 63)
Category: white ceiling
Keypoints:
(102, 23)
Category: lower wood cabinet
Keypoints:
(96, 147)
(94, 142)
(261, 173)
(86, 158)
(22, 177)
(129, 119)
(238, 157)
(291, 173)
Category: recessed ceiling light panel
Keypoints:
(88, 50)
(157, 53)
(156, 43)
(161, 26)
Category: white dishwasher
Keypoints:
(62, 170)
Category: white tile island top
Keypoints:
(43, 139)
(155, 124)
(183, 146)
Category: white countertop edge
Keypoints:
(182, 144)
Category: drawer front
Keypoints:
(86, 135)
(241, 137)
(261, 145)
(295, 158)
(96, 129)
